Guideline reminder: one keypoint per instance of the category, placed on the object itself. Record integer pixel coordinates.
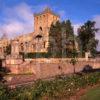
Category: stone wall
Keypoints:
(44, 68)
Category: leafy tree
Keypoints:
(55, 39)
(74, 54)
(86, 35)
(59, 38)
(74, 59)
(68, 37)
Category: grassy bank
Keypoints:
(92, 94)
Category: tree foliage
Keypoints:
(86, 35)
(60, 36)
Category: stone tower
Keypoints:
(42, 23)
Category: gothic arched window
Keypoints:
(44, 44)
(22, 47)
(40, 28)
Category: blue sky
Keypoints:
(16, 16)
(76, 10)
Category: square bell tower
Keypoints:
(42, 23)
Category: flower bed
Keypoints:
(60, 87)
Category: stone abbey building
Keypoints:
(36, 41)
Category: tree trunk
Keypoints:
(74, 69)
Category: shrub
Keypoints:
(37, 55)
(3, 92)
(60, 87)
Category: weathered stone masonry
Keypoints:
(44, 68)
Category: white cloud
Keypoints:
(97, 20)
(24, 11)
(12, 28)
(62, 14)
(76, 26)
(17, 20)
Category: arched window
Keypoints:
(22, 47)
(43, 16)
(26, 43)
(40, 28)
(44, 45)
(33, 46)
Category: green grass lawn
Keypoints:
(92, 94)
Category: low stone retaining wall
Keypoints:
(43, 68)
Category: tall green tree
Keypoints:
(86, 35)
(60, 36)
(68, 38)
(55, 39)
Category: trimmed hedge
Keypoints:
(46, 55)
(35, 55)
